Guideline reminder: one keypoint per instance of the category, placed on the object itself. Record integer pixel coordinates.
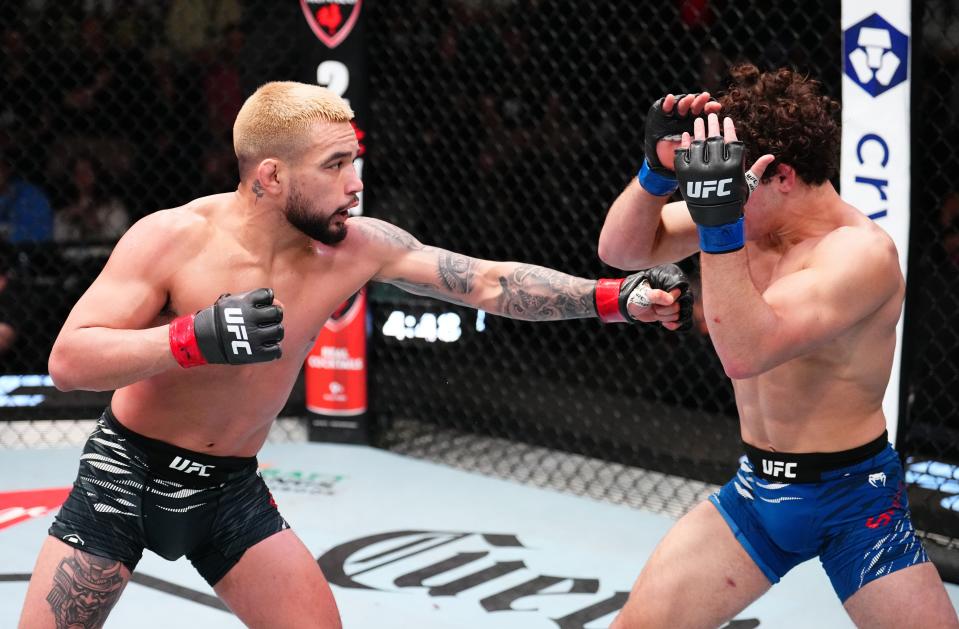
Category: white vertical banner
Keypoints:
(874, 169)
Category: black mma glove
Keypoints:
(653, 176)
(236, 330)
(713, 183)
(613, 295)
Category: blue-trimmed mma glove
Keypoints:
(236, 330)
(712, 181)
(612, 296)
(655, 178)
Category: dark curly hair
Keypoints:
(783, 112)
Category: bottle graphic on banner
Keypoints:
(335, 376)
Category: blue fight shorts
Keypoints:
(848, 508)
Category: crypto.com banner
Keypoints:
(874, 169)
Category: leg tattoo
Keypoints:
(85, 589)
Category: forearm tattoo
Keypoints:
(536, 293)
(529, 292)
(85, 589)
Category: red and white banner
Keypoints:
(336, 367)
(19, 506)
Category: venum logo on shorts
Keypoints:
(74, 539)
(775, 468)
(877, 479)
(884, 518)
(331, 20)
(236, 326)
(188, 467)
(702, 189)
(876, 54)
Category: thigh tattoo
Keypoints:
(85, 589)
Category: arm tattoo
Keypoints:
(455, 275)
(427, 290)
(390, 234)
(85, 589)
(456, 271)
(257, 190)
(536, 293)
(529, 292)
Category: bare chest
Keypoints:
(307, 287)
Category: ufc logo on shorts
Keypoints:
(775, 468)
(702, 189)
(236, 326)
(188, 467)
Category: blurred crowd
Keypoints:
(112, 110)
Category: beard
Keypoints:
(301, 215)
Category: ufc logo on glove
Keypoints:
(701, 189)
(237, 326)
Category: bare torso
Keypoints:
(831, 398)
(228, 410)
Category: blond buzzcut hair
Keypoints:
(275, 120)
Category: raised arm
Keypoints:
(641, 229)
(523, 291)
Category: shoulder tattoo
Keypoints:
(389, 234)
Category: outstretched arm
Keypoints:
(641, 230)
(512, 289)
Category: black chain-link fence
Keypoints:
(501, 129)
(929, 435)
(109, 111)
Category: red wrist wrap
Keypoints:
(607, 301)
(183, 342)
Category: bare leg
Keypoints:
(278, 585)
(911, 597)
(71, 588)
(698, 576)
